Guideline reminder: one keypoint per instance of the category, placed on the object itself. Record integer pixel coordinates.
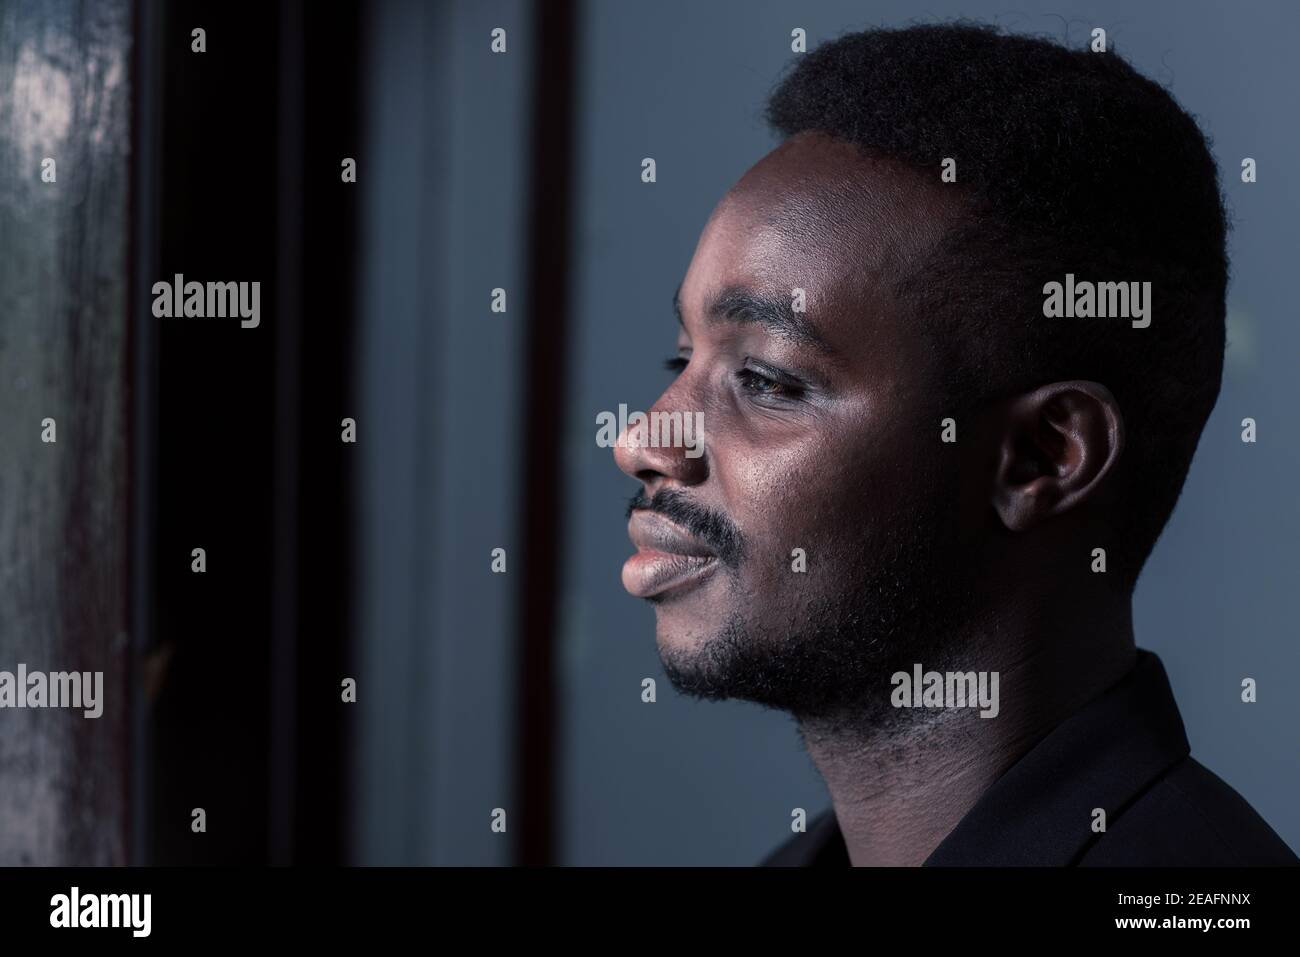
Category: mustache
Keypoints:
(712, 528)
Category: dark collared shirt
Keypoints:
(1125, 752)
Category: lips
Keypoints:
(668, 559)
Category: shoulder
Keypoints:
(1189, 817)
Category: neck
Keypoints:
(900, 786)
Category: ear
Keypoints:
(1059, 443)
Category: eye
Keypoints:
(758, 384)
(676, 364)
(761, 384)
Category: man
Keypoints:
(923, 472)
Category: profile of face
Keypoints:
(823, 539)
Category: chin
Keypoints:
(678, 632)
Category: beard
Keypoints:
(898, 594)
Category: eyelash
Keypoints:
(755, 383)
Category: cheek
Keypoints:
(817, 491)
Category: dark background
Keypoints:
(250, 462)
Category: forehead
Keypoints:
(821, 215)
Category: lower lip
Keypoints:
(649, 573)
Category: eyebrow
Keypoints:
(737, 304)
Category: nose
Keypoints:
(655, 452)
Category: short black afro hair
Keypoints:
(1067, 161)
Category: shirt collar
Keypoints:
(1040, 812)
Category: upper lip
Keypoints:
(652, 531)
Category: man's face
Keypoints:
(811, 549)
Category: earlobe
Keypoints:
(1058, 446)
(1023, 496)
